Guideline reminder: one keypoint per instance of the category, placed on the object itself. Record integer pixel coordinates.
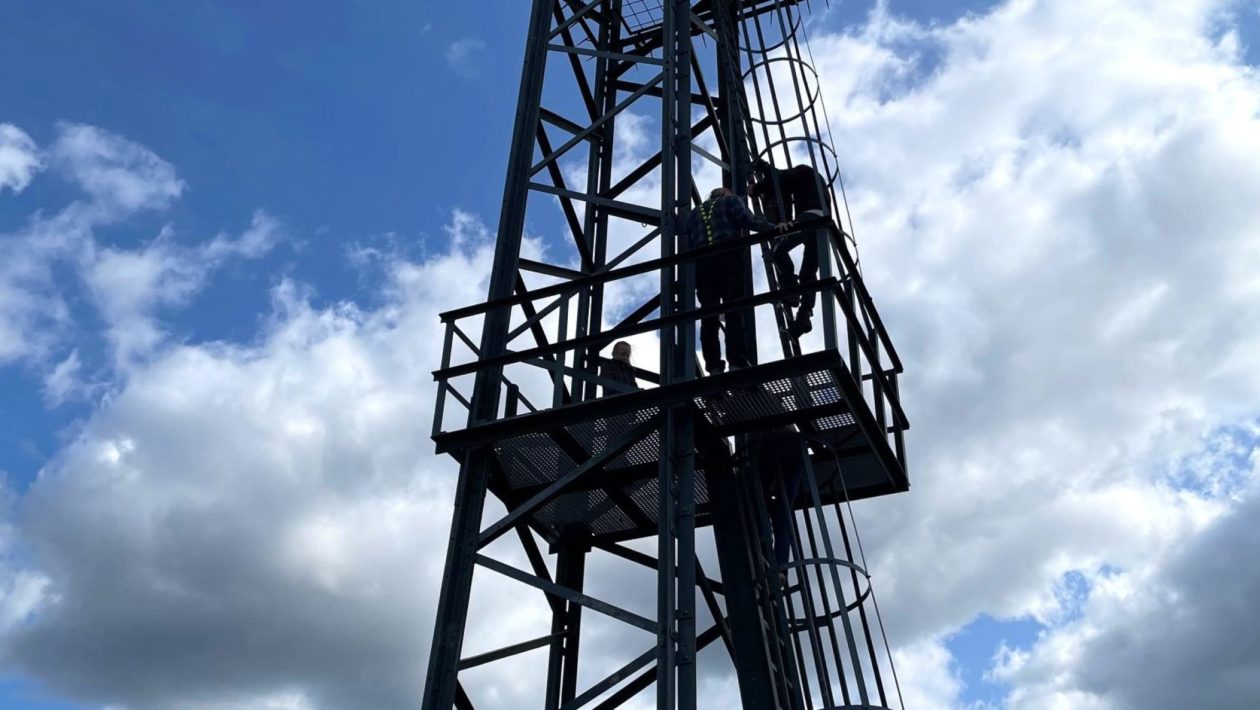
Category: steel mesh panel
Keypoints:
(646, 495)
(598, 510)
(646, 451)
(702, 487)
(592, 434)
(838, 421)
(612, 520)
(773, 397)
(532, 459)
(595, 509)
(741, 405)
(822, 388)
(591, 508)
(640, 15)
(788, 391)
(596, 434)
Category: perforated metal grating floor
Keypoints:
(740, 409)
(621, 499)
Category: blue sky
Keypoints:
(348, 124)
(326, 119)
(351, 126)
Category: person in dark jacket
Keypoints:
(800, 193)
(720, 277)
(619, 369)
(776, 454)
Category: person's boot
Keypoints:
(716, 368)
(790, 281)
(802, 324)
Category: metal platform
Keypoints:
(642, 18)
(617, 439)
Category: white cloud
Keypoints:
(119, 175)
(262, 235)
(127, 284)
(20, 158)
(130, 285)
(63, 381)
(266, 522)
(1143, 632)
(465, 55)
(925, 676)
(1058, 221)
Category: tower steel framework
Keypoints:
(726, 82)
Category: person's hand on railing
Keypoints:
(782, 227)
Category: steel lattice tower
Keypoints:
(727, 82)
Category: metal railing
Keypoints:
(546, 374)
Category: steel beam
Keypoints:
(470, 490)
(610, 610)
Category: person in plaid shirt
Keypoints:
(720, 277)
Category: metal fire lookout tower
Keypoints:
(592, 474)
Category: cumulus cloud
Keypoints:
(20, 158)
(1143, 632)
(242, 572)
(932, 683)
(260, 526)
(1056, 208)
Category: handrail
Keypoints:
(601, 277)
(865, 344)
(513, 357)
(861, 338)
(868, 303)
(877, 375)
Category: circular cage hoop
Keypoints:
(796, 19)
(834, 562)
(833, 170)
(812, 97)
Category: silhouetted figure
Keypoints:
(619, 368)
(720, 277)
(776, 453)
(802, 194)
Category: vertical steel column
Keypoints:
(676, 544)
(599, 169)
(734, 541)
(831, 339)
(470, 490)
(562, 664)
(732, 112)
(727, 494)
